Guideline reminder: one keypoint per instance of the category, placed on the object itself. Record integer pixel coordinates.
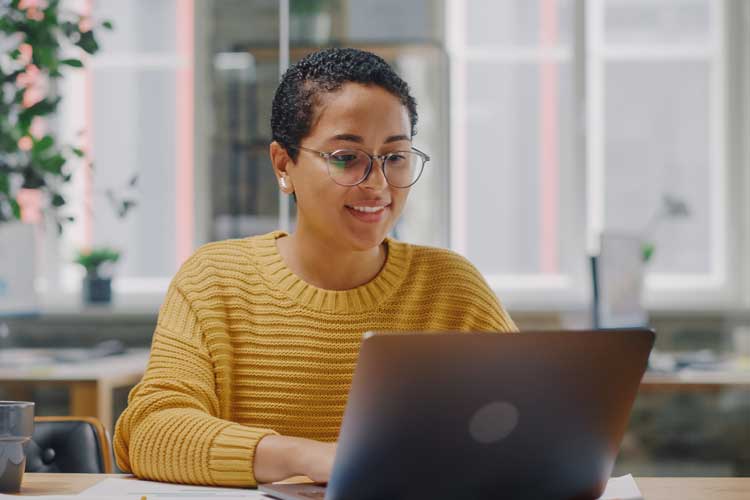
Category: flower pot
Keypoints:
(97, 290)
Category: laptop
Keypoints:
(484, 415)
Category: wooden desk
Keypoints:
(692, 488)
(696, 381)
(89, 383)
(652, 488)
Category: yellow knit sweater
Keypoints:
(244, 348)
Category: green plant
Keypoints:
(36, 38)
(672, 207)
(308, 7)
(93, 259)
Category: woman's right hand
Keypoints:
(281, 457)
(316, 460)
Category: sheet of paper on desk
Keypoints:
(622, 488)
(618, 488)
(135, 488)
(124, 496)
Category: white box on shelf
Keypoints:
(17, 269)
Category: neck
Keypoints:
(327, 266)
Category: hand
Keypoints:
(281, 457)
(316, 460)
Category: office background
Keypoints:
(548, 121)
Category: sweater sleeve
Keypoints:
(486, 313)
(172, 430)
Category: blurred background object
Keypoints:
(549, 123)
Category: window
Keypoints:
(658, 73)
(548, 121)
(134, 107)
(515, 178)
(570, 118)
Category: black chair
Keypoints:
(69, 444)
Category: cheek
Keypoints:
(323, 195)
(399, 197)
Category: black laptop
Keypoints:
(484, 415)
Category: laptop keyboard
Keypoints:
(312, 494)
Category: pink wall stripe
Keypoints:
(184, 210)
(548, 142)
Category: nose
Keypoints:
(375, 180)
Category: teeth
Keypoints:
(369, 210)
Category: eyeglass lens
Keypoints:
(349, 167)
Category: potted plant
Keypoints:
(38, 40)
(98, 263)
(310, 21)
(672, 207)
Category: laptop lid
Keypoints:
(486, 415)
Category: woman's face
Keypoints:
(356, 116)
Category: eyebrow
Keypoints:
(360, 140)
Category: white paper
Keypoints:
(622, 488)
(618, 488)
(159, 496)
(135, 488)
(620, 270)
(26, 494)
(65, 497)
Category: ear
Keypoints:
(281, 163)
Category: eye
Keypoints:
(343, 159)
(396, 159)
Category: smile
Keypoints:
(369, 210)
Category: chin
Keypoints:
(363, 242)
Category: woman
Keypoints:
(257, 339)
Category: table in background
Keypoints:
(696, 380)
(657, 488)
(90, 382)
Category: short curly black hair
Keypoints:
(325, 71)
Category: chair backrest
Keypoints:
(69, 444)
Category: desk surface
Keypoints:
(40, 365)
(689, 378)
(656, 488)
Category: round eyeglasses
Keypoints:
(349, 167)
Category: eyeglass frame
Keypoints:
(425, 158)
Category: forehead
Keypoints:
(361, 107)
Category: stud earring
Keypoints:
(282, 183)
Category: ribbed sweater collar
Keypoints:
(364, 298)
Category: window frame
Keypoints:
(719, 290)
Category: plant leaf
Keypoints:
(76, 63)
(15, 208)
(53, 164)
(647, 250)
(42, 144)
(32, 179)
(57, 200)
(125, 207)
(88, 42)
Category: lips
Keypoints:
(370, 206)
(368, 210)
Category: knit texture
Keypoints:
(244, 348)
